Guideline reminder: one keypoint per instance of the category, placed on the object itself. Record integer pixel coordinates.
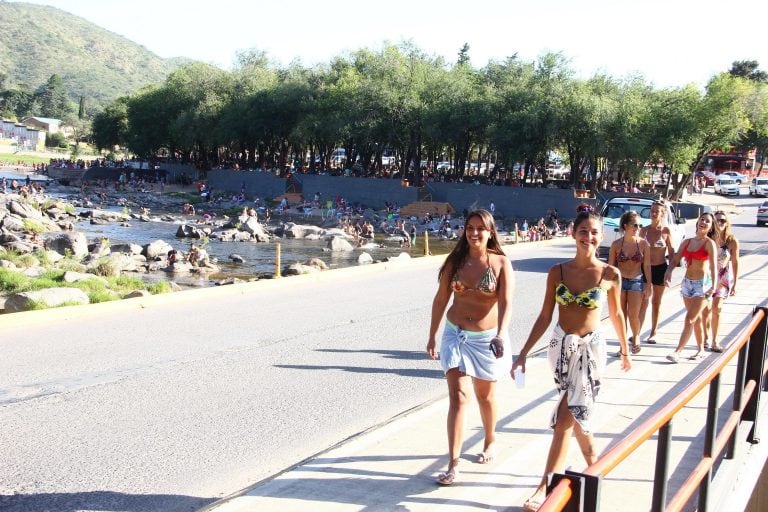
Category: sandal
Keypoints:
(716, 348)
(447, 478)
(532, 504)
(486, 457)
(635, 349)
(650, 341)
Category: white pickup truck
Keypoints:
(614, 208)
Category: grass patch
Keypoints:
(160, 287)
(102, 296)
(33, 226)
(12, 159)
(12, 282)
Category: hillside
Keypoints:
(37, 41)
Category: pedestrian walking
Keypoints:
(478, 275)
(577, 351)
(699, 253)
(659, 238)
(727, 275)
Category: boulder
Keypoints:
(338, 244)
(8, 264)
(296, 269)
(364, 259)
(33, 271)
(13, 223)
(157, 249)
(300, 231)
(137, 293)
(20, 247)
(71, 276)
(189, 231)
(73, 243)
(132, 249)
(316, 262)
(24, 210)
(236, 258)
(6, 237)
(50, 297)
(53, 256)
(255, 229)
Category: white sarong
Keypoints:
(470, 352)
(577, 363)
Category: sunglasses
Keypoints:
(722, 221)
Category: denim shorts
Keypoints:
(633, 284)
(695, 287)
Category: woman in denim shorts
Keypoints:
(700, 254)
(631, 254)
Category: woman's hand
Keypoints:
(519, 363)
(431, 349)
(709, 293)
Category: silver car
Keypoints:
(758, 187)
(726, 185)
(762, 214)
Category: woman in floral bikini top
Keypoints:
(635, 272)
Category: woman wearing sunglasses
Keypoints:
(632, 255)
(699, 253)
(727, 275)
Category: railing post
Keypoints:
(738, 394)
(756, 354)
(709, 440)
(661, 474)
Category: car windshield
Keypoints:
(763, 182)
(616, 210)
(726, 182)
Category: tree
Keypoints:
(748, 69)
(53, 100)
(110, 127)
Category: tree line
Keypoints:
(421, 108)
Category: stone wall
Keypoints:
(262, 184)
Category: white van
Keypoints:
(614, 208)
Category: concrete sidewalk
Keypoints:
(393, 466)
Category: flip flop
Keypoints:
(717, 348)
(650, 341)
(447, 478)
(485, 457)
(635, 349)
(531, 504)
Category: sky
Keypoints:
(671, 43)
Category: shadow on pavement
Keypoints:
(101, 500)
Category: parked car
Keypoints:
(762, 214)
(614, 208)
(758, 187)
(727, 186)
(709, 177)
(737, 176)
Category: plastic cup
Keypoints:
(519, 378)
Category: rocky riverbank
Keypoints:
(46, 260)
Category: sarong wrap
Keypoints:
(470, 352)
(577, 363)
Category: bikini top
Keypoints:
(724, 254)
(622, 258)
(487, 283)
(590, 299)
(700, 254)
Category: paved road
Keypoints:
(164, 404)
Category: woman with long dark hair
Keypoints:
(478, 275)
(576, 351)
(631, 255)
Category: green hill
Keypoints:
(37, 41)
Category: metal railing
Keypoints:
(581, 491)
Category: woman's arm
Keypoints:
(674, 262)
(542, 321)
(647, 268)
(613, 276)
(668, 238)
(439, 304)
(612, 254)
(712, 260)
(734, 248)
(506, 292)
